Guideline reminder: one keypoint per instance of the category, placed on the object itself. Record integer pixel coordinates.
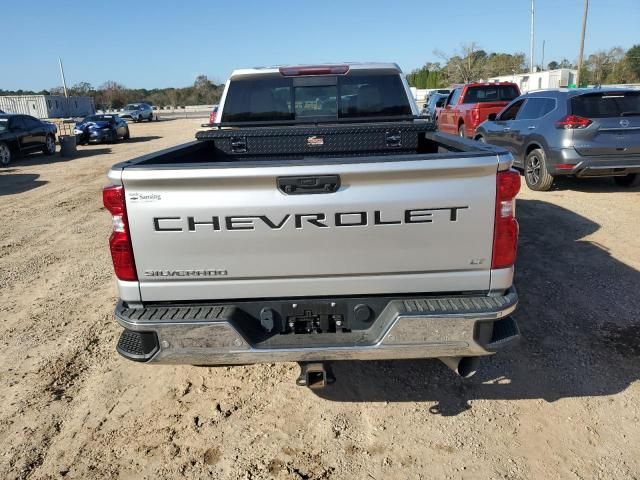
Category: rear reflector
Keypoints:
(505, 235)
(564, 166)
(314, 70)
(119, 242)
(571, 122)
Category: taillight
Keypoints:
(314, 70)
(571, 122)
(119, 242)
(475, 117)
(505, 234)
(212, 118)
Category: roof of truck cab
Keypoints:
(352, 66)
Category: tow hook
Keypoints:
(315, 375)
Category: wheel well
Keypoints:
(531, 148)
(13, 146)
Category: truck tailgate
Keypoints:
(392, 226)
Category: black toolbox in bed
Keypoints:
(378, 137)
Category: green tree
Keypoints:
(503, 64)
(427, 76)
(565, 64)
(82, 89)
(632, 61)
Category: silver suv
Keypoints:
(580, 132)
(137, 112)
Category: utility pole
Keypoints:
(542, 61)
(64, 82)
(584, 28)
(532, 64)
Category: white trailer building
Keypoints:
(562, 77)
(47, 106)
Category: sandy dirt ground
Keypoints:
(564, 404)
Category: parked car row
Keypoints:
(22, 134)
(137, 112)
(101, 128)
(578, 132)
(467, 106)
(429, 110)
(550, 133)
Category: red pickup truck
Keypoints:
(469, 105)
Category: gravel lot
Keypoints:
(564, 404)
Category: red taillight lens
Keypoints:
(570, 122)
(314, 70)
(119, 242)
(122, 256)
(212, 118)
(505, 234)
(475, 117)
(113, 199)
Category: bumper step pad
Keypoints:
(137, 346)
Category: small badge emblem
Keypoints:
(624, 123)
(314, 141)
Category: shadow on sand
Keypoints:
(578, 315)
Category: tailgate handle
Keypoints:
(239, 144)
(393, 139)
(309, 185)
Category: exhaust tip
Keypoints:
(465, 367)
(468, 366)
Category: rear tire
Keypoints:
(461, 130)
(481, 139)
(49, 145)
(630, 180)
(5, 155)
(536, 173)
(127, 135)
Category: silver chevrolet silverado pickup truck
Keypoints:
(320, 219)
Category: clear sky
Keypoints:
(143, 43)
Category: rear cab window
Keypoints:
(491, 93)
(273, 97)
(606, 104)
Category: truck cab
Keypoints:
(469, 105)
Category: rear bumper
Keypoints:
(600, 166)
(399, 328)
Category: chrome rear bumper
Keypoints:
(431, 327)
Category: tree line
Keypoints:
(472, 63)
(114, 95)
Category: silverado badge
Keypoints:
(314, 141)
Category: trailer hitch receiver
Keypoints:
(315, 375)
